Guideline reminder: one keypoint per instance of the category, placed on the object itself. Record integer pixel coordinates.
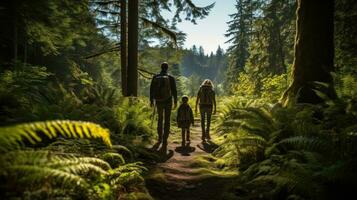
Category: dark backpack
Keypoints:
(162, 87)
(206, 95)
(184, 113)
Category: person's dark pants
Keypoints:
(164, 112)
(185, 134)
(206, 111)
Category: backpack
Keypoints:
(184, 113)
(162, 87)
(206, 95)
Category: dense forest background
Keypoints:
(64, 62)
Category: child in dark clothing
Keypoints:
(185, 119)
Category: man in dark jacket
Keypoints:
(162, 92)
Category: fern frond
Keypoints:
(261, 113)
(40, 174)
(136, 166)
(82, 168)
(60, 162)
(21, 157)
(11, 136)
(307, 144)
(114, 159)
(131, 177)
(121, 148)
(127, 174)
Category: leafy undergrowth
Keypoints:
(47, 173)
(304, 152)
(70, 140)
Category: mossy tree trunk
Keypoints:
(314, 52)
(133, 25)
(123, 47)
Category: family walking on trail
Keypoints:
(163, 95)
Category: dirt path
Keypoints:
(182, 176)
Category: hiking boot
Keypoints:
(183, 143)
(208, 137)
(203, 138)
(163, 150)
(159, 140)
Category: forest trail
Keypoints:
(184, 176)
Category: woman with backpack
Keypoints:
(206, 98)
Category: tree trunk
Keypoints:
(314, 52)
(123, 48)
(275, 44)
(25, 51)
(133, 25)
(15, 38)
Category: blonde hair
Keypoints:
(207, 82)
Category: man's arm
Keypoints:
(214, 102)
(197, 99)
(152, 92)
(173, 89)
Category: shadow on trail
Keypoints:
(207, 146)
(185, 150)
(162, 155)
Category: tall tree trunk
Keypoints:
(123, 48)
(15, 38)
(275, 44)
(314, 52)
(133, 25)
(25, 51)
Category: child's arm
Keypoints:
(192, 119)
(214, 103)
(178, 114)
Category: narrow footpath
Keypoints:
(184, 176)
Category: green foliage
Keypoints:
(273, 87)
(196, 63)
(262, 35)
(346, 86)
(49, 174)
(135, 117)
(50, 26)
(268, 88)
(283, 151)
(35, 131)
(68, 168)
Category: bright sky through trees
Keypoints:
(209, 32)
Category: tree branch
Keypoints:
(116, 48)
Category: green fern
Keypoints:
(307, 144)
(11, 136)
(127, 174)
(114, 159)
(33, 170)
(72, 160)
(31, 167)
